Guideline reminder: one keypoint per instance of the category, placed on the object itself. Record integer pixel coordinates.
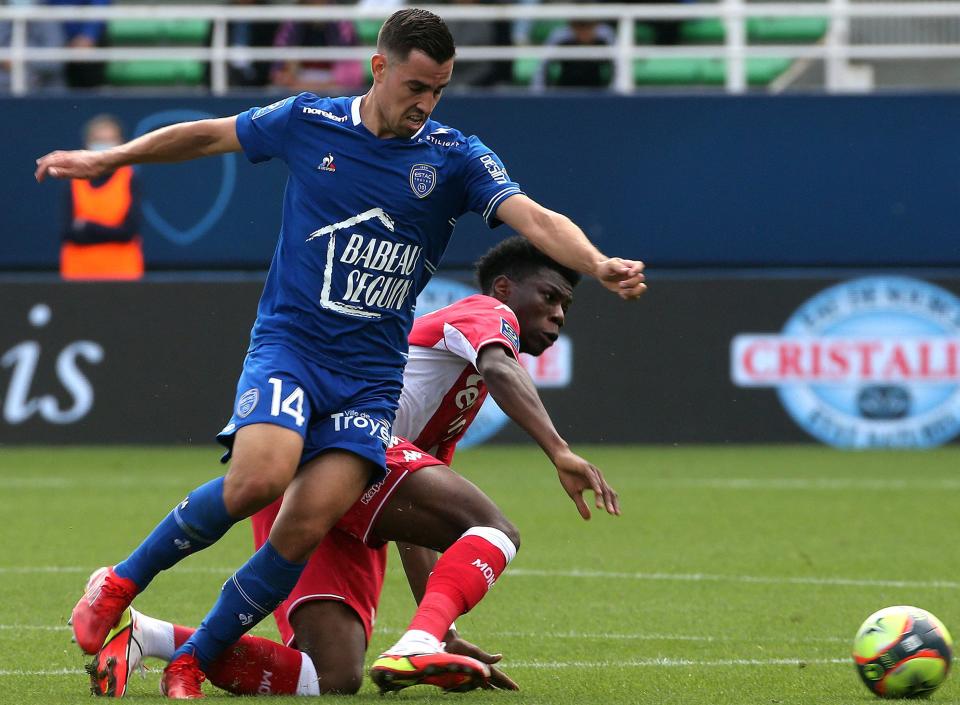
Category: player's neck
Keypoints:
(372, 118)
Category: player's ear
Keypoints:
(502, 288)
(378, 65)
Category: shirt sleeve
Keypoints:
(473, 328)
(487, 182)
(262, 132)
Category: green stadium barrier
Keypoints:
(677, 71)
(771, 30)
(155, 73)
(704, 72)
(367, 31)
(155, 32)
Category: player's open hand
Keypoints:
(623, 277)
(498, 679)
(577, 476)
(76, 164)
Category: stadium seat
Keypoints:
(678, 71)
(367, 31)
(703, 72)
(157, 33)
(155, 73)
(770, 30)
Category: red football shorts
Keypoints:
(349, 564)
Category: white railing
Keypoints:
(835, 50)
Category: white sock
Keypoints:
(415, 641)
(309, 683)
(155, 635)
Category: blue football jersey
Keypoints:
(365, 223)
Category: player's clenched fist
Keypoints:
(76, 164)
(622, 276)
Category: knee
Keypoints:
(512, 532)
(339, 679)
(245, 493)
(505, 527)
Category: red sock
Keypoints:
(252, 666)
(459, 581)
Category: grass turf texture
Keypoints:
(736, 575)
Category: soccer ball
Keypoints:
(902, 652)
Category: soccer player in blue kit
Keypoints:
(374, 190)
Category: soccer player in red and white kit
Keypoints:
(457, 355)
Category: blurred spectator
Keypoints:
(40, 74)
(251, 34)
(323, 77)
(592, 73)
(468, 33)
(101, 239)
(84, 35)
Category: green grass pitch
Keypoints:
(735, 575)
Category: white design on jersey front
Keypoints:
(325, 300)
(355, 220)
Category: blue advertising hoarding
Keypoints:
(680, 181)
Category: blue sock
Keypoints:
(252, 593)
(197, 522)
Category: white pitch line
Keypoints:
(585, 574)
(540, 635)
(799, 483)
(26, 482)
(723, 483)
(757, 579)
(675, 662)
(557, 665)
(55, 672)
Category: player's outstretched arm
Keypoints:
(174, 143)
(513, 390)
(559, 237)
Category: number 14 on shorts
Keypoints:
(292, 404)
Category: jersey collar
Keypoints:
(355, 115)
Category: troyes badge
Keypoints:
(423, 178)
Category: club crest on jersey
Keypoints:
(247, 403)
(507, 331)
(326, 164)
(423, 178)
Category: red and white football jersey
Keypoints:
(442, 389)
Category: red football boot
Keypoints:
(101, 607)
(182, 678)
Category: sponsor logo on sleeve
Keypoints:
(497, 172)
(423, 179)
(870, 363)
(508, 332)
(269, 108)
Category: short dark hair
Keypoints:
(516, 258)
(413, 28)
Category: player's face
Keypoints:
(408, 91)
(540, 302)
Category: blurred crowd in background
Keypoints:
(336, 76)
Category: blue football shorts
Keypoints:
(329, 409)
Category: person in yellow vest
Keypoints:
(101, 239)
